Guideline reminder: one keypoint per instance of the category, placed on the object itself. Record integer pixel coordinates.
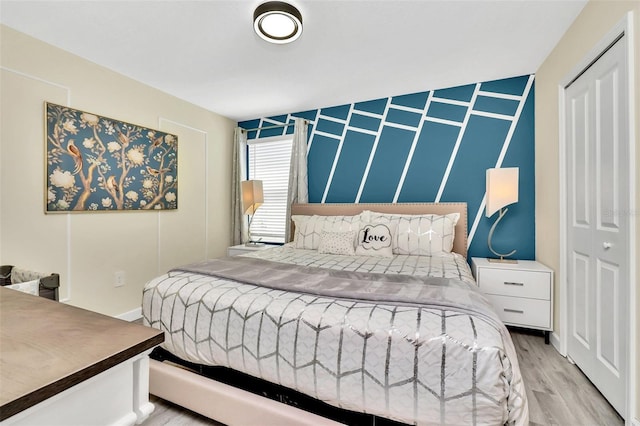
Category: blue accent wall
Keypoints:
(432, 146)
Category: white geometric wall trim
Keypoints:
(431, 146)
(67, 285)
(162, 124)
(505, 146)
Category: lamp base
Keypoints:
(501, 256)
(502, 260)
(254, 244)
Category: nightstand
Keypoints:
(521, 293)
(241, 249)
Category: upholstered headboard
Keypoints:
(331, 209)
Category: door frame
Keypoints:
(624, 29)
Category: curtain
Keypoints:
(239, 227)
(298, 186)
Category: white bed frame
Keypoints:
(233, 406)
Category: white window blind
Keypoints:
(269, 162)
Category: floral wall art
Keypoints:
(95, 163)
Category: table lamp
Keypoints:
(502, 190)
(252, 198)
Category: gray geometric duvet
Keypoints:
(424, 364)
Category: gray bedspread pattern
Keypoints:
(422, 360)
(449, 265)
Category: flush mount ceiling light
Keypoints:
(277, 22)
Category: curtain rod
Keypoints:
(275, 126)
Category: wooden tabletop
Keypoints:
(47, 347)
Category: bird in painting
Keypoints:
(75, 153)
(156, 172)
(156, 143)
(124, 139)
(111, 184)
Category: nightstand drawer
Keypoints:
(532, 313)
(505, 282)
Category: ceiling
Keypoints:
(207, 53)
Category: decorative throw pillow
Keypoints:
(299, 222)
(30, 287)
(375, 240)
(19, 275)
(420, 234)
(337, 242)
(308, 228)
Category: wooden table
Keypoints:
(64, 365)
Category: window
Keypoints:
(269, 161)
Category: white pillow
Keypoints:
(337, 242)
(375, 239)
(31, 287)
(425, 234)
(308, 228)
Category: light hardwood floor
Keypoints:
(558, 392)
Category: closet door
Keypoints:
(598, 223)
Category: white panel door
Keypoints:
(598, 223)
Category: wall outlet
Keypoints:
(119, 278)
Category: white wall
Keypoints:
(593, 23)
(87, 248)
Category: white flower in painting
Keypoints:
(89, 143)
(143, 203)
(169, 139)
(171, 196)
(132, 195)
(113, 146)
(157, 207)
(168, 178)
(93, 206)
(108, 127)
(148, 194)
(62, 179)
(90, 119)
(106, 202)
(147, 183)
(63, 205)
(70, 126)
(151, 134)
(135, 156)
(51, 196)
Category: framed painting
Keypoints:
(96, 163)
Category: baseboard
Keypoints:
(130, 316)
(554, 339)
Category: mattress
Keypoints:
(416, 362)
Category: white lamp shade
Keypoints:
(502, 188)
(252, 196)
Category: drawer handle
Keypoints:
(512, 283)
(515, 311)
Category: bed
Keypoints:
(393, 327)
